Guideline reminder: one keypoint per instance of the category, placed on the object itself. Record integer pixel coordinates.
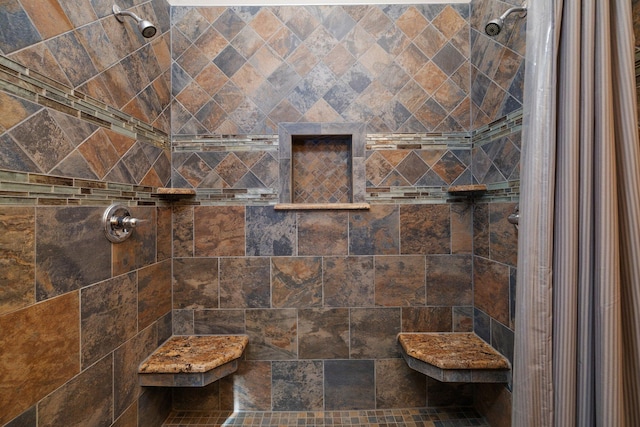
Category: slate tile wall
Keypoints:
(78, 315)
(84, 114)
(322, 314)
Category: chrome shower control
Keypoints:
(118, 223)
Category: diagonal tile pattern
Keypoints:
(399, 68)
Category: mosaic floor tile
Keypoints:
(425, 417)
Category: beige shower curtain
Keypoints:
(577, 348)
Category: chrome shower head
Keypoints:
(494, 26)
(147, 29)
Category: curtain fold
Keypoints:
(577, 348)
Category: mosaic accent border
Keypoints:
(20, 81)
(504, 126)
(29, 189)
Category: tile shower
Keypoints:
(320, 294)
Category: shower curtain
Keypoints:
(577, 351)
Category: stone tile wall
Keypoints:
(397, 68)
(78, 315)
(322, 296)
(83, 122)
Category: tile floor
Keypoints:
(424, 417)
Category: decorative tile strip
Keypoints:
(37, 88)
(418, 141)
(500, 128)
(225, 143)
(28, 189)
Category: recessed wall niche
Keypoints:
(322, 163)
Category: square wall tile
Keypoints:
(349, 384)
(400, 280)
(245, 282)
(195, 283)
(297, 386)
(323, 333)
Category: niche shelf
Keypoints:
(467, 190)
(175, 193)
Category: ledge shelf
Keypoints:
(175, 193)
(192, 360)
(454, 357)
(467, 190)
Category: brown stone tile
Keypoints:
(193, 97)
(373, 333)
(449, 280)
(154, 405)
(48, 17)
(349, 385)
(265, 23)
(127, 358)
(129, 418)
(491, 288)
(430, 77)
(462, 319)
(245, 282)
(323, 233)
(154, 293)
(426, 319)
(183, 231)
(14, 110)
(249, 389)
(430, 41)
(296, 282)
(461, 228)
(195, 283)
(302, 60)
(140, 249)
(272, 333)
(85, 400)
(17, 258)
(339, 60)
(323, 333)
(219, 230)
(163, 227)
(99, 153)
(108, 316)
(398, 386)
(425, 229)
(284, 42)
(481, 235)
(248, 79)
(348, 281)
(449, 22)
(39, 58)
(297, 385)
(71, 250)
(40, 352)
(375, 232)
(217, 322)
(503, 236)
(399, 280)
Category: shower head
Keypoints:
(147, 29)
(494, 26)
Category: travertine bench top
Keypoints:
(194, 354)
(452, 350)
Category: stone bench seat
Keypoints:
(192, 360)
(454, 357)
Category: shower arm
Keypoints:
(522, 9)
